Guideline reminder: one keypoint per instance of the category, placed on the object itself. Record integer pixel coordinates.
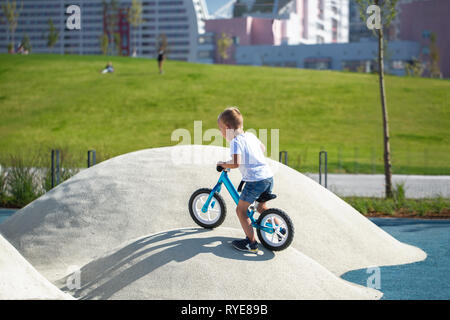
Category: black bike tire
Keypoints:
(223, 208)
(289, 225)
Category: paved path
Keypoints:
(372, 185)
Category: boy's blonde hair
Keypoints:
(232, 118)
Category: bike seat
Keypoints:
(265, 196)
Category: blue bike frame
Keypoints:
(235, 195)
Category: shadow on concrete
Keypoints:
(103, 277)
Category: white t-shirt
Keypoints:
(253, 165)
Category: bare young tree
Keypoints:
(135, 19)
(11, 15)
(435, 71)
(53, 35)
(111, 14)
(387, 12)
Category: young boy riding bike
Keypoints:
(247, 153)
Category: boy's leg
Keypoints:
(241, 211)
(262, 206)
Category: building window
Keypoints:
(320, 39)
(173, 27)
(172, 11)
(320, 8)
(205, 40)
(205, 55)
(317, 63)
(398, 64)
(290, 64)
(170, 3)
(334, 30)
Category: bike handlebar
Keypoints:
(219, 168)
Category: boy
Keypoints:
(247, 153)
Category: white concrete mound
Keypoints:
(20, 281)
(146, 192)
(195, 263)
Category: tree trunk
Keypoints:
(387, 151)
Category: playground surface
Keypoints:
(423, 280)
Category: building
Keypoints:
(420, 20)
(180, 21)
(281, 22)
(353, 56)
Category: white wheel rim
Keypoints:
(212, 215)
(275, 239)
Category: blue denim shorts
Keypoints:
(252, 190)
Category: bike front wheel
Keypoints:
(214, 216)
(282, 226)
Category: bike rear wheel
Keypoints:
(282, 225)
(214, 216)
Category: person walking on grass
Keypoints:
(161, 60)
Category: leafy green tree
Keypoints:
(135, 19)
(26, 43)
(387, 14)
(223, 44)
(415, 68)
(10, 17)
(53, 35)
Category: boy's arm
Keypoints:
(263, 147)
(233, 163)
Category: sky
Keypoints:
(213, 5)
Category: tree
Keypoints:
(11, 15)
(117, 42)
(223, 44)
(53, 34)
(26, 43)
(415, 68)
(387, 14)
(135, 19)
(111, 14)
(104, 42)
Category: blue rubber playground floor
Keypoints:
(425, 280)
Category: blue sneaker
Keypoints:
(245, 245)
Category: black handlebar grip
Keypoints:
(219, 168)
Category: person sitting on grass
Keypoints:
(109, 68)
(247, 153)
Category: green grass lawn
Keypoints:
(62, 101)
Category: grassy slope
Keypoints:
(53, 101)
